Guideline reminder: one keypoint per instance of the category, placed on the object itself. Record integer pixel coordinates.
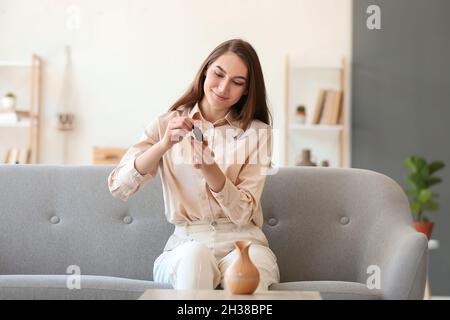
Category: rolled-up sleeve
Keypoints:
(125, 180)
(240, 201)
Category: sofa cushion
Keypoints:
(333, 290)
(54, 287)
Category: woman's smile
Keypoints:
(219, 97)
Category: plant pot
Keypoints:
(300, 118)
(9, 103)
(425, 227)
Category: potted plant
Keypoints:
(9, 100)
(421, 198)
(301, 114)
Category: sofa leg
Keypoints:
(427, 294)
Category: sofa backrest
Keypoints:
(319, 221)
(53, 217)
(331, 223)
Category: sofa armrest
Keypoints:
(403, 261)
(405, 273)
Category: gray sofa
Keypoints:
(327, 227)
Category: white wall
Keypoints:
(132, 59)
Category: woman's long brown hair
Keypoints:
(251, 106)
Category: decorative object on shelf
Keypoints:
(306, 159)
(65, 118)
(300, 114)
(325, 163)
(65, 121)
(9, 101)
(242, 276)
(421, 198)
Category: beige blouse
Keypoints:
(244, 158)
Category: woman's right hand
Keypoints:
(176, 130)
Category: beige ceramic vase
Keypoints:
(241, 277)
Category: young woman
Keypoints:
(212, 176)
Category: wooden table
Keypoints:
(170, 294)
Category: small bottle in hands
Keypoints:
(197, 133)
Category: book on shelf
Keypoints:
(319, 106)
(18, 155)
(12, 155)
(327, 107)
(332, 103)
(337, 105)
(340, 116)
(24, 155)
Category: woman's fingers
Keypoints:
(201, 154)
(182, 123)
(178, 134)
(177, 129)
(185, 124)
(189, 122)
(197, 150)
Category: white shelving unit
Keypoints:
(304, 80)
(32, 71)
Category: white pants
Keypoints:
(196, 256)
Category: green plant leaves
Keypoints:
(431, 206)
(424, 196)
(436, 166)
(420, 180)
(415, 206)
(424, 172)
(412, 192)
(409, 163)
(417, 181)
(433, 180)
